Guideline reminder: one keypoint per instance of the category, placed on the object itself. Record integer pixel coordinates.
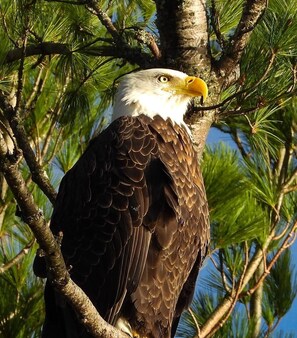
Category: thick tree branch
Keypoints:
(251, 14)
(39, 176)
(121, 45)
(58, 272)
(44, 48)
(130, 54)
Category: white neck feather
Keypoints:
(134, 101)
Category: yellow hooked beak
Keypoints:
(194, 86)
(191, 86)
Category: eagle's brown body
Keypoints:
(134, 219)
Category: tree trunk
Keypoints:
(183, 33)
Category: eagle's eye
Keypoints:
(163, 78)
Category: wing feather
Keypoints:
(100, 208)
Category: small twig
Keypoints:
(223, 275)
(214, 18)
(9, 134)
(195, 322)
(81, 48)
(220, 270)
(222, 110)
(271, 329)
(286, 187)
(294, 76)
(237, 112)
(266, 71)
(54, 150)
(20, 74)
(277, 237)
(233, 295)
(222, 113)
(17, 258)
(88, 76)
(236, 138)
(37, 88)
(289, 240)
(7, 30)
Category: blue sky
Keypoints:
(289, 323)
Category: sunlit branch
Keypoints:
(288, 187)
(234, 296)
(223, 275)
(288, 241)
(94, 8)
(277, 237)
(236, 138)
(195, 322)
(251, 14)
(17, 258)
(148, 39)
(38, 174)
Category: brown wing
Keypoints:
(181, 234)
(100, 208)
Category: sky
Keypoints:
(289, 323)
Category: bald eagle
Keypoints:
(133, 213)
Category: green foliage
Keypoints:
(21, 305)
(236, 215)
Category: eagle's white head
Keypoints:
(157, 91)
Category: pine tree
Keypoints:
(59, 65)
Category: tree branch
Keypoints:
(43, 48)
(39, 176)
(289, 240)
(69, 2)
(17, 258)
(227, 303)
(94, 8)
(59, 275)
(256, 303)
(148, 39)
(130, 54)
(251, 14)
(233, 296)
